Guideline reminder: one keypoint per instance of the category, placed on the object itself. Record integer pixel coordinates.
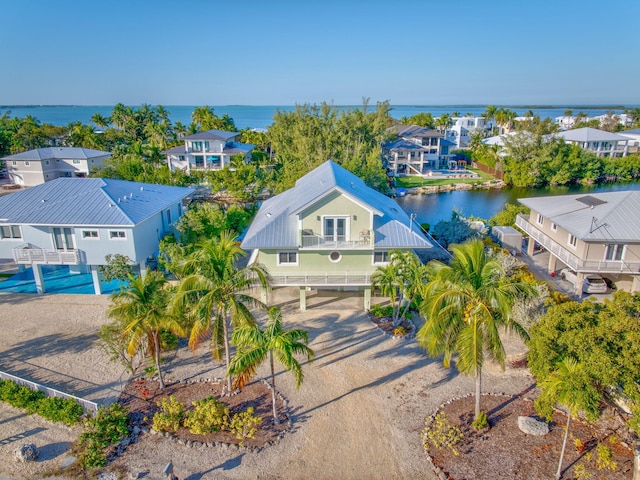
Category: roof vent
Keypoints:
(268, 214)
(141, 188)
(43, 200)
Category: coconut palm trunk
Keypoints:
(564, 446)
(273, 389)
(478, 393)
(156, 357)
(227, 350)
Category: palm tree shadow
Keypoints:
(227, 465)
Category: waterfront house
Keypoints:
(603, 144)
(210, 150)
(565, 122)
(416, 151)
(77, 222)
(634, 139)
(589, 233)
(330, 231)
(45, 164)
(462, 128)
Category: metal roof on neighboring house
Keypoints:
(609, 216)
(276, 223)
(61, 153)
(88, 201)
(414, 131)
(211, 135)
(588, 134)
(181, 150)
(402, 144)
(236, 148)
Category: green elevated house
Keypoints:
(330, 231)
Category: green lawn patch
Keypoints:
(412, 182)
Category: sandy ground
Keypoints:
(358, 414)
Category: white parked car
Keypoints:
(592, 283)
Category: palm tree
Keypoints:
(464, 307)
(254, 345)
(143, 307)
(402, 280)
(443, 122)
(213, 290)
(568, 385)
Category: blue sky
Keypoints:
(277, 52)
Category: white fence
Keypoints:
(90, 407)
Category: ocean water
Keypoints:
(252, 116)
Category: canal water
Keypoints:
(433, 207)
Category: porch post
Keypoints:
(303, 299)
(530, 246)
(97, 284)
(263, 295)
(143, 268)
(367, 298)
(37, 275)
(552, 263)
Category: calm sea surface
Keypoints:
(262, 116)
(432, 208)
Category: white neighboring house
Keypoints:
(210, 150)
(461, 129)
(565, 122)
(416, 151)
(603, 144)
(45, 164)
(77, 222)
(634, 139)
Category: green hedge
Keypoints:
(56, 409)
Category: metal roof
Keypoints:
(88, 201)
(276, 223)
(402, 144)
(414, 131)
(48, 153)
(211, 135)
(613, 220)
(588, 134)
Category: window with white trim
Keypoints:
(335, 229)
(89, 234)
(614, 251)
(26, 164)
(554, 227)
(117, 234)
(540, 219)
(287, 258)
(381, 257)
(76, 162)
(169, 216)
(10, 232)
(573, 241)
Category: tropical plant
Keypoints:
(255, 345)
(214, 291)
(142, 306)
(570, 386)
(464, 307)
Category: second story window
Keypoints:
(196, 146)
(76, 162)
(540, 219)
(554, 227)
(380, 257)
(169, 217)
(287, 258)
(614, 251)
(573, 241)
(117, 234)
(335, 229)
(89, 234)
(26, 164)
(10, 232)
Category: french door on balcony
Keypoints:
(63, 238)
(335, 229)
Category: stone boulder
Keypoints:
(533, 426)
(26, 453)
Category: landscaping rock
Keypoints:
(532, 426)
(27, 453)
(108, 476)
(66, 462)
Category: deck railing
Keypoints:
(29, 255)
(87, 405)
(363, 241)
(572, 260)
(311, 279)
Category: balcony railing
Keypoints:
(572, 260)
(321, 279)
(28, 255)
(363, 241)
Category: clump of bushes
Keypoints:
(106, 429)
(208, 415)
(442, 434)
(64, 410)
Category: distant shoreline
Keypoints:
(408, 105)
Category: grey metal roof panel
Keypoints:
(276, 224)
(414, 131)
(588, 134)
(236, 147)
(617, 219)
(88, 201)
(403, 144)
(181, 150)
(48, 153)
(211, 135)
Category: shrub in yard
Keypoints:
(399, 331)
(243, 425)
(209, 415)
(481, 422)
(442, 434)
(170, 418)
(65, 410)
(107, 428)
(604, 459)
(20, 396)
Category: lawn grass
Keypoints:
(412, 182)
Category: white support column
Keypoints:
(367, 299)
(37, 275)
(303, 299)
(264, 297)
(530, 246)
(97, 283)
(143, 268)
(552, 263)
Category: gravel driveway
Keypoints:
(358, 414)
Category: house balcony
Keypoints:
(364, 241)
(27, 255)
(570, 259)
(321, 279)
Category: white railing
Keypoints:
(572, 260)
(89, 406)
(322, 279)
(318, 241)
(28, 255)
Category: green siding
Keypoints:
(318, 261)
(336, 204)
